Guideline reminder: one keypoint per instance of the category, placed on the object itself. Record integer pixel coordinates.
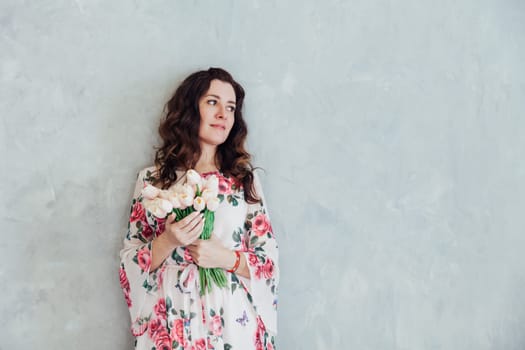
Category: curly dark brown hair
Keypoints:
(179, 131)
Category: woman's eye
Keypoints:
(212, 102)
(231, 108)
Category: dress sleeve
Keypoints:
(138, 283)
(262, 260)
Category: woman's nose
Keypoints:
(221, 113)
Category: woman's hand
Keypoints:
(176, 234)
(211, 253)
(186, 231)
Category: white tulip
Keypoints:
(165, 205)
(199, 204)
(175, 201)
(158, 207)
(178, 188)
(185, 200)
(208, 194)
(213, 204)
(193, 178)
(212, 183)
(188, 190)
(150, 192)
(172, 196)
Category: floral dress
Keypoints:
(166, 308)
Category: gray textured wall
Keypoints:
(391, 132)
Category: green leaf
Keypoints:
(212, 312)
(168, 303)
(236, 236)
(254, 240)
(227, 346)
(176, 257)
(192, 315)
(221, 311)
(147, 285)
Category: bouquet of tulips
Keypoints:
(195, 194)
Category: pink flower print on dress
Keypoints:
(137, 213)
(155, 327)
(259, 334)
(261, 224)
(267, 269)
(225, 185)
(200, 344)
(187, 256)
(216, 325)
(140, 330)
(160, 309)
(144, 258)
(264, 270)
(177, 332)
(147, 231)
(163, 340)
(124, 283)
(253, 260)
(160, 227)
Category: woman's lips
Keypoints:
(218, 126)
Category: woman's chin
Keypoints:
(213, 142)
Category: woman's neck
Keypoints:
(206, 162)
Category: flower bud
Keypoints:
(199, 204)
(208, 194)
(150, 192)
(158, 207)
(185, 200)
(189, 190)
(212, 183)
(175, 201)
(193, 178)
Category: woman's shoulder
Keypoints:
(151, 173)
(147, 174)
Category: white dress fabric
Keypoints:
(166, 308)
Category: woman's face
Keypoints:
(217, 110)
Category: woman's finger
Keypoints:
(194, 224)
(197, 230)
(188, 220)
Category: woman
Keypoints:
(203, 130)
